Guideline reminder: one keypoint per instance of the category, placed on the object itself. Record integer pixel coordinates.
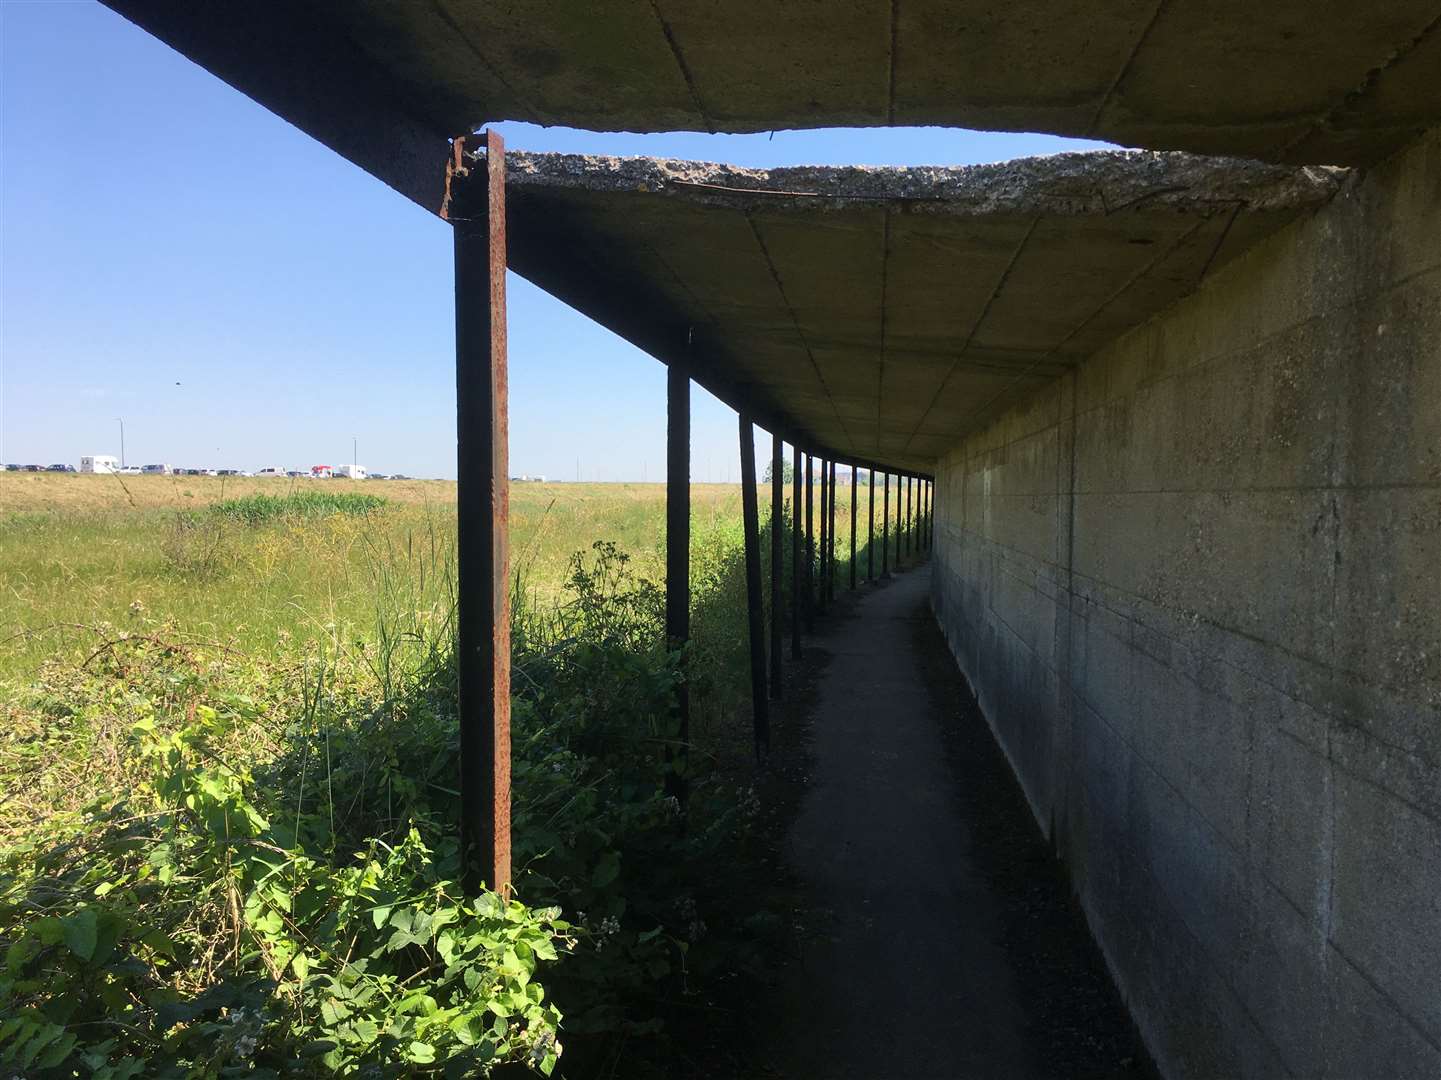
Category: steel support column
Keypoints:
(871, 529)
(916, 520)
(928, 536)
(906, 521)
(755, 608)
(677, 548)
(810, 547)
(831, 536)
(482, 547)
(821, 561)
(778, 601)
(920, 515)
(886, 526)
(855, 498)
(796, 553)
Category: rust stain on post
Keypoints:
(831, 540)
(483, 512)
(855, 498)
(778, 600)
(755, 614)
(810, 599)
(796, 552)
(677, 556)
(821, 551)
(886, 528)
(871, 528)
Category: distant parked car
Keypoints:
(12, 468)
(61, 468)
(32, 468)
(399, 476)
(296, 473)
(230, 472)
(156, 470)
(377, 476)
(129, 470)
(270, 470)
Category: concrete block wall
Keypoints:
(1196, 586)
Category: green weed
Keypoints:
(260, 509)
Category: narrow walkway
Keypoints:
(916, 965)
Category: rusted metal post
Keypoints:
(920, 514)
(855, 498)
(871, 529)
(810, 547)
(482, 547)
(778, 601)
(821, 554)
(677, 550)
(886, 528)
(796, 553)
(831, 549)
(905, 522)
(914, 519)
(927, 536)
(755, 608)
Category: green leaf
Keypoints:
(80, 929)
(607, 870)
(421, 1053)
(467, 1029)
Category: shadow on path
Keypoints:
(942, 939)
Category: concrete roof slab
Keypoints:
(386, 82)
(865, 312)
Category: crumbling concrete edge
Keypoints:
(1092, 183)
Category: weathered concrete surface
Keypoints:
(1196, 583)
(908, 978)
(924, 962)
(875, 313)
(1307, 81)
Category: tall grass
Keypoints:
(261, 509)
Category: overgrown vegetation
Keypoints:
(260, 509)
(221, 863)
(81, 553)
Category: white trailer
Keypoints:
(99, 463)
(350, 472)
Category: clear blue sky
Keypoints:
(173, 254)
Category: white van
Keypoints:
(270, 470)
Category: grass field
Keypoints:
(83, 554)
(228, 819)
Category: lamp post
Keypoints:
(121, 422)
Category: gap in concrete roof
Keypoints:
(811, 146)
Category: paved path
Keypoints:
(911, 969)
